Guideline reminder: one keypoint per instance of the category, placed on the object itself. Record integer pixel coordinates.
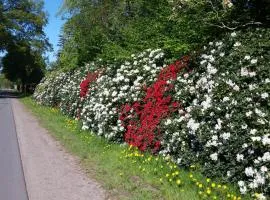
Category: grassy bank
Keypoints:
(123, 171)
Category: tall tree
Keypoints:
(23, 65)
(22, 20)
(23, 38)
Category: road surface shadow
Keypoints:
(6, 93)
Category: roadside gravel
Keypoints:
(50, 172)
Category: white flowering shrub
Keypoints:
(48, 91)
(62, 89)
(117, 86)
(225, 121)
(69, 92)
(71, 102)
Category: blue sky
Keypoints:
(53, 27)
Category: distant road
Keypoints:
(12, 182)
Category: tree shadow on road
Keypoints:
(7, 93)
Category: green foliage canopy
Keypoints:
(23, 38)
(23, 65)
(114, 29)
(22, 20)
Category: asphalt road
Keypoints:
(12, 182)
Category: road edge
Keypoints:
(19, 146)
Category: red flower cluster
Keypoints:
(84, 86)
(142, 119)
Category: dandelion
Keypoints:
(208, 191)
(178, 182)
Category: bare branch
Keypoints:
(214, 9)
(223, 26)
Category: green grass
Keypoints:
(124, 172)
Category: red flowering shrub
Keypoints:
(84, 86)
(142, 118)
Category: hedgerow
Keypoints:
(211, 111)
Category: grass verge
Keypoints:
(124, 172)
